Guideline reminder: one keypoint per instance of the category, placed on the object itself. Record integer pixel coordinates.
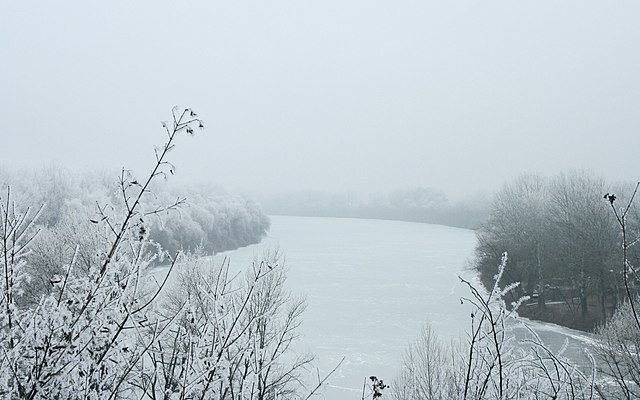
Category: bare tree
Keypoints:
(585, 237)
(518, 224)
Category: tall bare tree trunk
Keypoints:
(584, 307)
(541, 301)
(603, 295)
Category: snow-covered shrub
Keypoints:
(230, 337)
(619, 354)
(70, 344)
(211, 220)
(72, 238)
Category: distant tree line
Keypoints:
(207, 218)
(418, 204)
(563, 244)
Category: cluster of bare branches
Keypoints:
(107, 330)
(619, 350)
(490, 365)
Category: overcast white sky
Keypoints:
(331, 95)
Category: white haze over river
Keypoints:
(371, 285)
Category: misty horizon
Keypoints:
(336, 97)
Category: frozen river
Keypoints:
(371, 285)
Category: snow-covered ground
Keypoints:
(371, 285)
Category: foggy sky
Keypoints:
(328, 95)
